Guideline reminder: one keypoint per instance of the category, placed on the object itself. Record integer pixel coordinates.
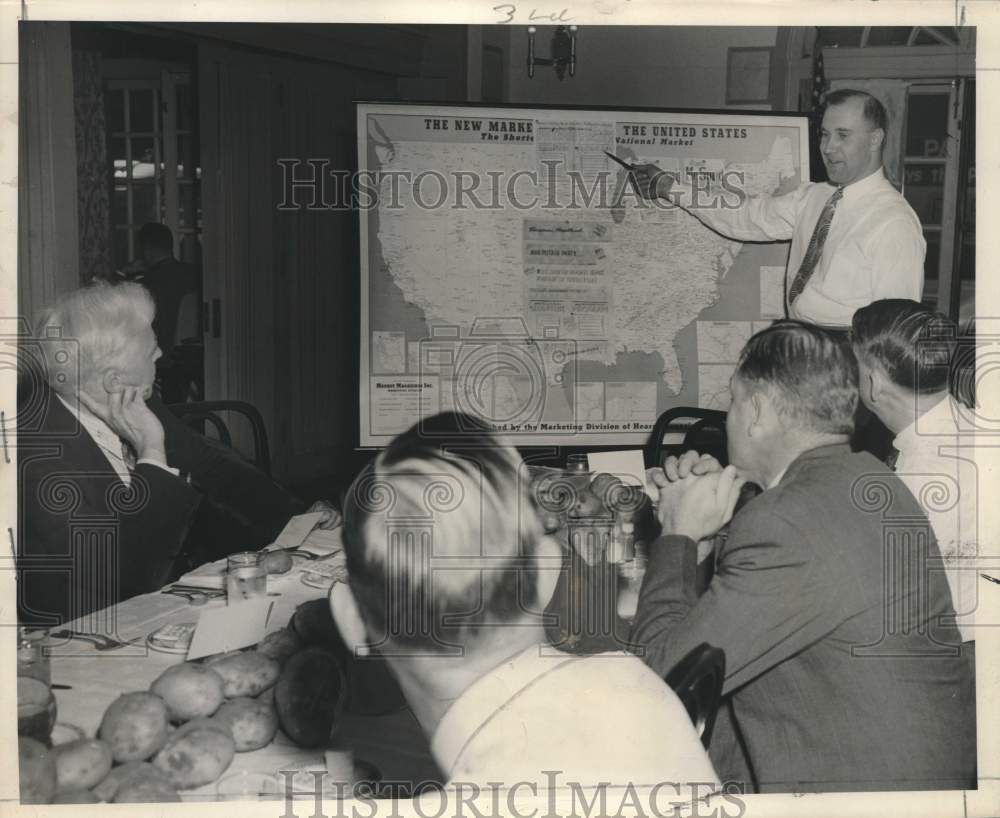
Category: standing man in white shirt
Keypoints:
(905, 354)
(854, 239)
(449, 573)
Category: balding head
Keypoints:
(442, 538)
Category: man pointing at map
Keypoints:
(854, 239)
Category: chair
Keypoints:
(697, 680)
(693, 428)
(195, 414)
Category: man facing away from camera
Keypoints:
(845, 669)
(449, 571)
(905, 356)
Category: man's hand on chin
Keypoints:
(128, 416)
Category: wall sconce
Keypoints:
(563, 51)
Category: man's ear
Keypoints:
(873, 385)
(757, 414)
(111, 381)
(877, 138)
(548, 561)
(347, 617)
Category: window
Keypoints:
(155, 163)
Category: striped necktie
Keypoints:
(815, 249)
(128, 455)
(892, 458)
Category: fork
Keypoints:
(98, 640)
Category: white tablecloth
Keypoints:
(99, 677)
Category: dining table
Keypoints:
(87, 677)
(584, 615)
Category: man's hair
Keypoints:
(873, 111)
(811, 376)
(101, 321)
(155, 236)
(441, 536)
(913, 345)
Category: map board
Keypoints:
(510, 270)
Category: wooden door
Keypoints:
(281, 283)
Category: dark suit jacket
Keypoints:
(86, 541)
(844, 671)
(242, 509)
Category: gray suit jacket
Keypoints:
(833, 611)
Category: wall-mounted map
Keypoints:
(510, 270)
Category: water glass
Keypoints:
(246, 576)
(36, 709)
(31, 657)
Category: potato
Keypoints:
(280, 644)
(135, 726)
(75, 797)
(204, 724)
(81, 764)
(313, 624)
(109, 785)
(146, 786)
(36, 771)
(63, 733)
(309, 696)
(253, 722)
(189, 690)
(278, 562)
(195, 757)
(246, 674)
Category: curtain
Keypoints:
(92, 192)
(48, 250)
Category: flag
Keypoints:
(817, 170)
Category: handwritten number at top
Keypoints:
(534, 16)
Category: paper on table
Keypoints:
(627, 465)
(231, 628)
(324, 540)
(296, 530)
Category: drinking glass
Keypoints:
(246, 576)
(31, 657)
(36, 709)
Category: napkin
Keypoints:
(296, 530)
(627, 465)
(324, 541)
(235, 626)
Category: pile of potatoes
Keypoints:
(180, 734)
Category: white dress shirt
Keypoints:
(107, 441)
(605, 717)
(875, 248)
(944, 480)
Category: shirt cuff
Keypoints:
(159, 464)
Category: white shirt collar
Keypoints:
(101, 434)
(938, 420)
(861, 187)
(486, 696)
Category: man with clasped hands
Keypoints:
(842, 672)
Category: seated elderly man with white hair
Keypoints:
(449, 570)
(117, 496)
